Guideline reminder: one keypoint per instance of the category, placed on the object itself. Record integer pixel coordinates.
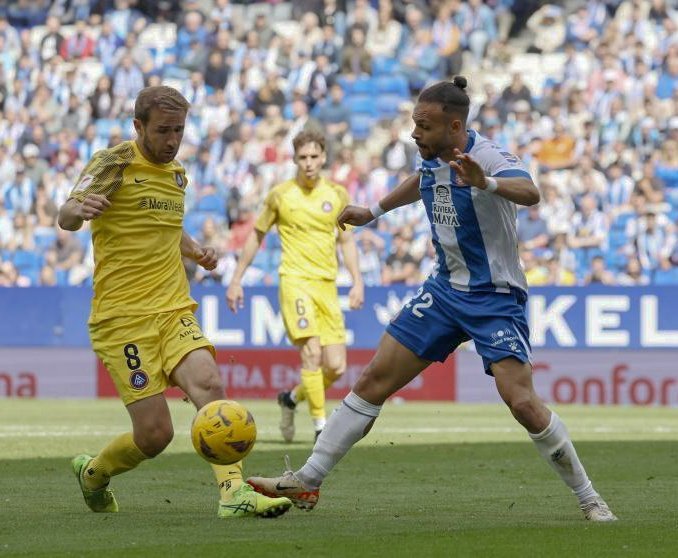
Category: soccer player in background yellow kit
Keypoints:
(142, 322)
(305, 211)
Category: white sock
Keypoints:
(319, 423)
(555, 446)
(345, 427)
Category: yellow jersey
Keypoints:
(137, 257)
(307, 223)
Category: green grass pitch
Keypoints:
(430, 480)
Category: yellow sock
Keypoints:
(300, 392)
(229, 479)
(312, 380)
(120, 455)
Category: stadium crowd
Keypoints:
(586, 93)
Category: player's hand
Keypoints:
(354, 215)
(235, 297)
(469, 172)
(207, 258)
(93, 206)
(356, 297)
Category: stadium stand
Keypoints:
(586, 93)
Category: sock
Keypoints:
(299, 394)
(229, 479)
(555, 446)
(120, 455)
(312, 380)
(347, 425)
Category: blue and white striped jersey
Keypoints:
(474, 231)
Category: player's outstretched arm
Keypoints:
(204, 256)
(405, 193)
(517, 189)
(235, 296)
(349, 251)
(73, 213)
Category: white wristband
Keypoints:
(491, 184)
(376, 210)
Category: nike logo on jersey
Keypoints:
(138, 181)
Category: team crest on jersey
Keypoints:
(138, 379)
(180, 180)
(444, 212)
(327, 206)
(302, 323)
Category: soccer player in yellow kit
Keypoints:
(305, 211)
(142, 324)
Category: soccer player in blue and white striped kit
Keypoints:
(470, 188)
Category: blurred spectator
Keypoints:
(216, 71)
(514, 92)
(655, 240)
(397, 154)
(356, 60)
(270, 93)
(334, 115)
(419, 59)
(666, 166)
(400, 266)
(50, 44)
(370, 247)
(532, 229)
(558, 275)
(79, 45)
(588, 227)
(599, 274)
(557, 150)
(478, 27)
(384, 37)
(447, 38)
(632, 274)
(549, 28)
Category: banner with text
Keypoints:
(262, 374)
(583, 377)
(572, 318)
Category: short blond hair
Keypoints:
(166, 98)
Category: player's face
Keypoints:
(435, 132)
(161, 136)
(309, 158)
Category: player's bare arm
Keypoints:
(204, 256)
(516, 189)
(349, 250)
(405, 193)
(73, 213)
(235, 297)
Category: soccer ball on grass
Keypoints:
(223, 432)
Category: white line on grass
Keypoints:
(33, 431)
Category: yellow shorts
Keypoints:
(310, 308)
(140, 352)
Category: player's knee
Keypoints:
(154, 438)
(311, 357)
(210, 384)
(373, 386)
(334, 368)
(525, 406)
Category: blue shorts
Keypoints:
(439, 318)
